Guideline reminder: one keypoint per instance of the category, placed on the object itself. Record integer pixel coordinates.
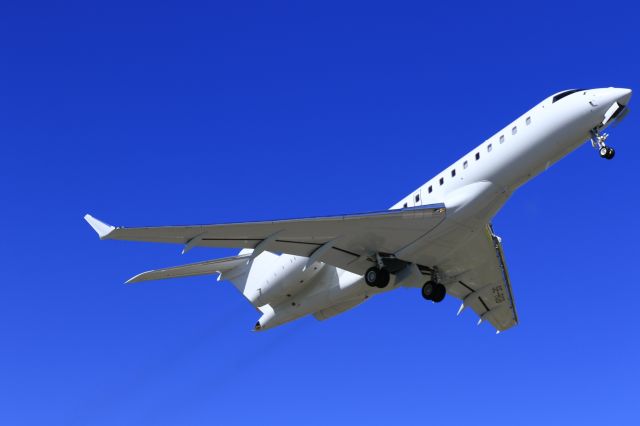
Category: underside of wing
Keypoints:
(472, 263)
(477, 274)
(347, 241)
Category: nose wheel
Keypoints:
(607, 152)
(598, 141)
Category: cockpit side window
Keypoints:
(564, 94)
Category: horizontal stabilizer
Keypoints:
(208, 267)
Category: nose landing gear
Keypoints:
(598, 142)
(607, 152)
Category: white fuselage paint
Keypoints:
(473, 189)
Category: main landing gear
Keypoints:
(380, 275)
(598, 142)
(433, 290)
(377, 277)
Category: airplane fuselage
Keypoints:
(473, 189)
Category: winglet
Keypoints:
(101, 228)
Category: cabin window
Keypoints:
(465, 164)
(501, 138)
(528, 120)
(405, 205)
(514, 130)
(477, 155)
(430, 189)
(417, 197)
(489, 148)
(453, 173)
(441, 181)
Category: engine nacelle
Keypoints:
(328, 293)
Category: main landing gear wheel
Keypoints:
(376, 277)
(434, 291)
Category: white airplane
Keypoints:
(438, 238)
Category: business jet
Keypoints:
(438, 238)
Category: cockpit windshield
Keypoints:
(565, 94)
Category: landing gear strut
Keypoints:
(377, 277)
(598, 142)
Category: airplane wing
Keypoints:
(208, 267)
(349, 242)
(477, 274)
(472, 262)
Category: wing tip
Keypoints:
(134, 280)
(101, 228)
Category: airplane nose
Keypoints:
(613, 102)
(607, 97)
(623, 95)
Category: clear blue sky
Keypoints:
(152, 114)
